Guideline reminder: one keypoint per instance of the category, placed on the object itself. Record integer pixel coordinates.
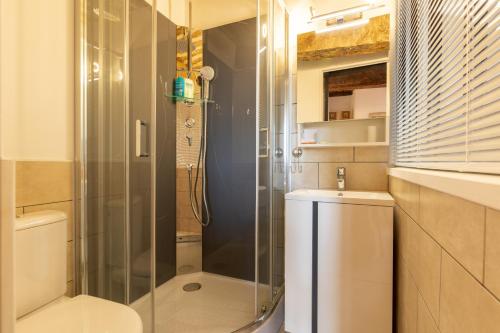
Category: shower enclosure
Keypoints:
(139, 243)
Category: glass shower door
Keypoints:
(113, 176)
(272, 133)
(103, 151)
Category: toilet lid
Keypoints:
(82, 314)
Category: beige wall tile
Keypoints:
(188, 224)
(367, 177)
(401, 233)
(66, 207)
(458, 226)
(359, 176)
(43, 182)
(492, 252)
(182, 181)
(340, 154)
(407, 300)
(70, 291)
(7, 213)
(465, 305)
(182, 184)
(425, 322)
(406, 195)
(308, 178)
(181, 172)
(70, 261)
(424, 263)
(371, 154)
(183, 199)
(185, 220)
(184, 211)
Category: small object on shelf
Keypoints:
(179, 87)
(188, 88)
(309, 136)
(376, 115)
(184, 92)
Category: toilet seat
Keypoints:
(82, 314)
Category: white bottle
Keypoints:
(188, 88)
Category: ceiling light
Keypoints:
(351, 24)
(340, 13)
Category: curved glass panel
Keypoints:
(115, 54)
(181, 199)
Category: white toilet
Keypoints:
(40, 276)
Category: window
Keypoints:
(445, 93)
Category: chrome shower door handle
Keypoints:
(141, 139)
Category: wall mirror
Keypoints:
(343, 84)
(342, 89)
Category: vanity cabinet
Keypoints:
(338, 262)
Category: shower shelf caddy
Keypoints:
(189, 101)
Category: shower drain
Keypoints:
(192, 286)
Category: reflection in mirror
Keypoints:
(355, 93)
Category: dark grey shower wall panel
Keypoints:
(165, 152)
(229, 240)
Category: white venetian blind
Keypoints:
(445, 94)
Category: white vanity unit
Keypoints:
(338, 262)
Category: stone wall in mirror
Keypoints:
(342, 84)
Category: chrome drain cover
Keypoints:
(192, 286)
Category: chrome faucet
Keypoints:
(341, 179)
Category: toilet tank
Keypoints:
(40, 259)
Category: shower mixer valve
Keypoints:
(189, 124)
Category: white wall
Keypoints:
(175, 10)
(340, 103)
(36, 79)
(371, 100)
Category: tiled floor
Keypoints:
(222, 305)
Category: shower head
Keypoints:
(207, 73)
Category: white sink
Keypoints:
(351, 197)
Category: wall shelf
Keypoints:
(338, 121)
(345, 133)
(342, 144)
